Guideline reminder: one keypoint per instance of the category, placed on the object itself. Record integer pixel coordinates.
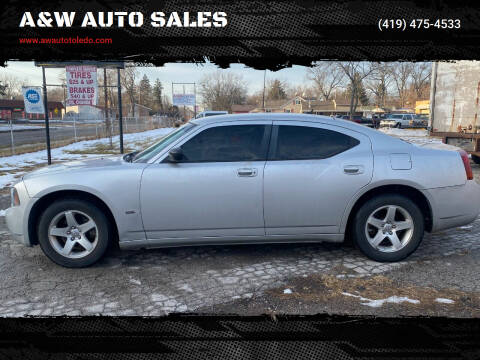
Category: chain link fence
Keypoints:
(22, 135)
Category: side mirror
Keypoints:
(129, 157)
(175, 155)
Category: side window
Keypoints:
(227, 143)
(303, 143)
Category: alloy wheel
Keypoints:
(73, 234)
(389, 228)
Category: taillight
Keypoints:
(466, 164)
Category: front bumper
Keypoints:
(15, 216)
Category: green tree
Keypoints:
(158, 96)
(145, 92)
(276, 90)
(3, 89)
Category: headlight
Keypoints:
(14, 199)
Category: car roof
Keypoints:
(279, 117)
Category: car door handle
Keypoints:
(247, 172)
(353, 169)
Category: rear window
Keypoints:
(303, 143)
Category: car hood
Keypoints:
(95, 163)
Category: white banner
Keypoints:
(82, 86)
(33, 100)
(184, 99)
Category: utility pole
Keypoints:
(195, 104)
(263, 99)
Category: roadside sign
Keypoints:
(32, 98)
(184, 99)
(82, 88)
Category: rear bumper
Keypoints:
(454, 205)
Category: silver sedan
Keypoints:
(254, 178)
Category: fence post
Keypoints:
(136, 124)
(74, 129)
(11, 137)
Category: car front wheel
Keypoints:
(73, 233)
(388, 228)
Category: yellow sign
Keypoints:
(55, 111)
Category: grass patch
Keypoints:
(329, 288)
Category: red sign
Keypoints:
(82, 86)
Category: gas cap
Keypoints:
(400, 161)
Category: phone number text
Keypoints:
(404, 24)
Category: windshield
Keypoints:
(157, 148)
(397, 116)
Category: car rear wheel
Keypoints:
(476, 159)
(388, 228)
(73, 233)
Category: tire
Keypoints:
(476, 159)
(56, 235)
(399, 125)
(375, 211)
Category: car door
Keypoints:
(312, 172)
(216, 191)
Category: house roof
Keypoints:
(6, 103)
(243, 107)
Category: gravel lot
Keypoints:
(441, 278)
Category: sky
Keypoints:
(171, 72)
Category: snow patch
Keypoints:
(187, 288)
(14, 162)
(2, 212)
(444, 301)
(380, 302)
(405, 132)
(287, 291)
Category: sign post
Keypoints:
(32, 98)
(185, 99)
(47, 124)
(82, 87)
(120, 115)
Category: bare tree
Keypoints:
(421, 78)
(301, 90)
(12, 86)
(220, 90)
(327, 77)
(356, 72)
(402, 73)
(128, 77)
(379, 82)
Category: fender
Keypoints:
(377, 184)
